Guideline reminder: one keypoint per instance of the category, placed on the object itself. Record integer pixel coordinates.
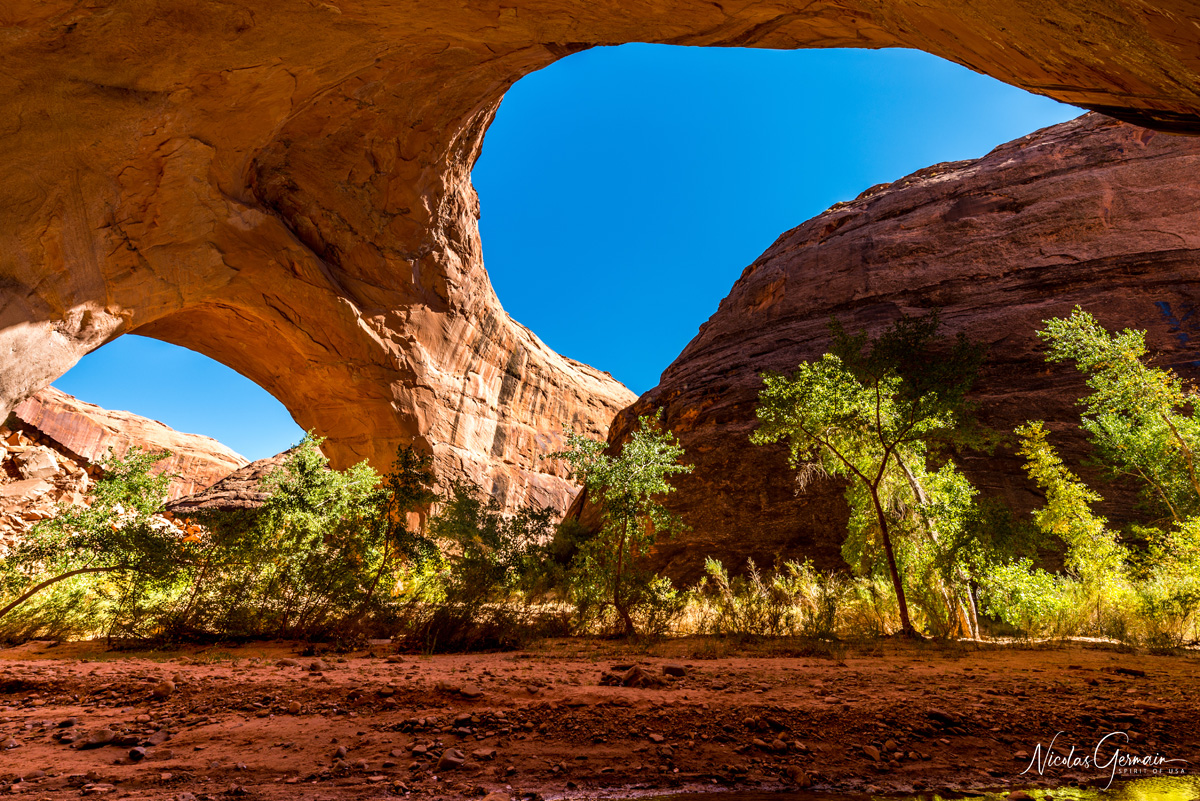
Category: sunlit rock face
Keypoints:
(241, 490)
(52, 444)
(284, 186)
(89, 433)
(1090, 212)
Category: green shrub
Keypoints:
(608, 581)
(1029, 599)
(306, 565)
(480, 592)
(103, 568)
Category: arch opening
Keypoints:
(187, 391)
(624, 189)
(317, 177)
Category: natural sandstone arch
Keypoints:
(285, 185)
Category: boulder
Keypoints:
(36, 463)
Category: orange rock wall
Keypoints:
(51, 444)
(285, 186)
(89, 431)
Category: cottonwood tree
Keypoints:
(869, 411)
(1142, 421)
(1140, 418)
(625, 486)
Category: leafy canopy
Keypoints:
(626, 487)
(1140, 418)
(118, 535)
(870, 411)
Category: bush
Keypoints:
(305, 566)
(1032, 600)
(488, 554)
(104, 568)
(744, 606)
(820, 598)
(794, 601)
(607, 580)
(479, 592)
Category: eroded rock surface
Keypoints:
(52, 443)
(284, 186)
(87, 432)
(240, 490)
(1090, 212)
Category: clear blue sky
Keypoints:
(622, 192)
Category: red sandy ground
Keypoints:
(740, 717)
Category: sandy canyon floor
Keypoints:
(265, 721)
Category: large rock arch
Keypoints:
(285, 186)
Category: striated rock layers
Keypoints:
(88, 431)
(241, 490)
(284, 186)
(51, 443)
(1091, 212)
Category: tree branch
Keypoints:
(49, 582)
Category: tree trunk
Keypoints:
(906, 626)
(186, 614)
(968, 615)
(621, 608)
(361, 612)
(974, 611)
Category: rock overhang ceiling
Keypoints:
(285, 187)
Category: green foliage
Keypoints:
(1168, 594)
(870, 412)
(308, 564)
(406, 491)
(606, 573)
(489, 555)
(1141, 421)
(1028, 598)
(1140, 418)
(483, 589)
(99, 565)
(488, 571)
(1093, 552)
(305, 566)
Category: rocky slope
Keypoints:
(88, 431)
(51, 444)
(240, 490)
(1091, 212)
(285, 187)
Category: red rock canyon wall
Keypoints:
(284, 186)
(1091, 212)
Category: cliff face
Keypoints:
(284, 186)
(87, 432)
(51, 444)
(1091, 212)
